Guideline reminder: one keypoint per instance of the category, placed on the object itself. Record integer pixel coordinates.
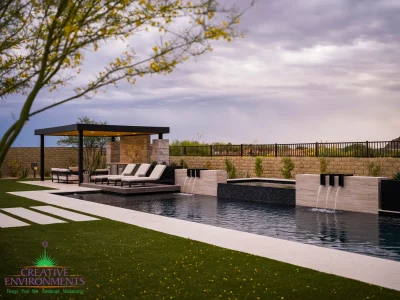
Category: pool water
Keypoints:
(361, 233)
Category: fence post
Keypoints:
(211, 150)
(316, 149)
(184, 150)
(276, 150)
(367, 154)
(241, 150)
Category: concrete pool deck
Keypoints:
(363, 268)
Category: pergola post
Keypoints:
(160, 136)
(80, 157)
(41, 157)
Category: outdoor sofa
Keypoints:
(64, 175)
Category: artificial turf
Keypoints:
(121, 261)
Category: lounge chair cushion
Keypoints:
(74, 169)
(63, 170)
(155, 175)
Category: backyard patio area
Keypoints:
(120, 260)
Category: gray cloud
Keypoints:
(307, 71)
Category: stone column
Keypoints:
(135, 149)
(112, 152)
(160, 151)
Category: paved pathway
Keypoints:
(364, 268)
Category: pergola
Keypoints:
(93, 130)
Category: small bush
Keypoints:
(173, 164)
(230, 168)
(154, 163)
(164, 163)
(47, 172)
(184, 164)
(396, 176)
(374, 169)
(247, 175)
(288, 167)
(208, 165)
(323, 165)
(25, 172)
(15, 167)
(258, 169)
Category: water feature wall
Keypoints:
(205, 182)
(359, 193)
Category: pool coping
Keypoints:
(386, 273)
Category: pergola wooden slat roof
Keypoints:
(100, 130)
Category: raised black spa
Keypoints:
(194, 172)
(322, 179)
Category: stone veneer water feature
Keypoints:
(206, 184)
(359, 194)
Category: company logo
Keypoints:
(44, 275)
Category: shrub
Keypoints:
(374, 169)
(258, 169)
(154, 163)
(208, 165)
(164, 163)
(288, 167)
(323, 165)
(47, 172)
(15, 167)
(24, 172)
(247, 175)
(230, 168)
(396, 176)
(184, 164)
(173, 164)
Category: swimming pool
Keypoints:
(361, 233)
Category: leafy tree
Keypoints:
(93, 147)
(43, 43)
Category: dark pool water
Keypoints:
(354, 232)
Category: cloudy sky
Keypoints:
(307, 71)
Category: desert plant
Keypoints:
(15, 167)
(323, 165)
(47, 172)
(287, 168)
(230, 168)
(247, 174)
(258, 168)
(184, 164)
(24, 172)
(208, 165)
(374, 169)
(396, 176)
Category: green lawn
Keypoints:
(121, 261)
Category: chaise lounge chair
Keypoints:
(141, 172)
(154, 176)
(127, 171)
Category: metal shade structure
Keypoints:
(93, 130)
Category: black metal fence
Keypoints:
(343, 149)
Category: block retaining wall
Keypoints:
(303, 165)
